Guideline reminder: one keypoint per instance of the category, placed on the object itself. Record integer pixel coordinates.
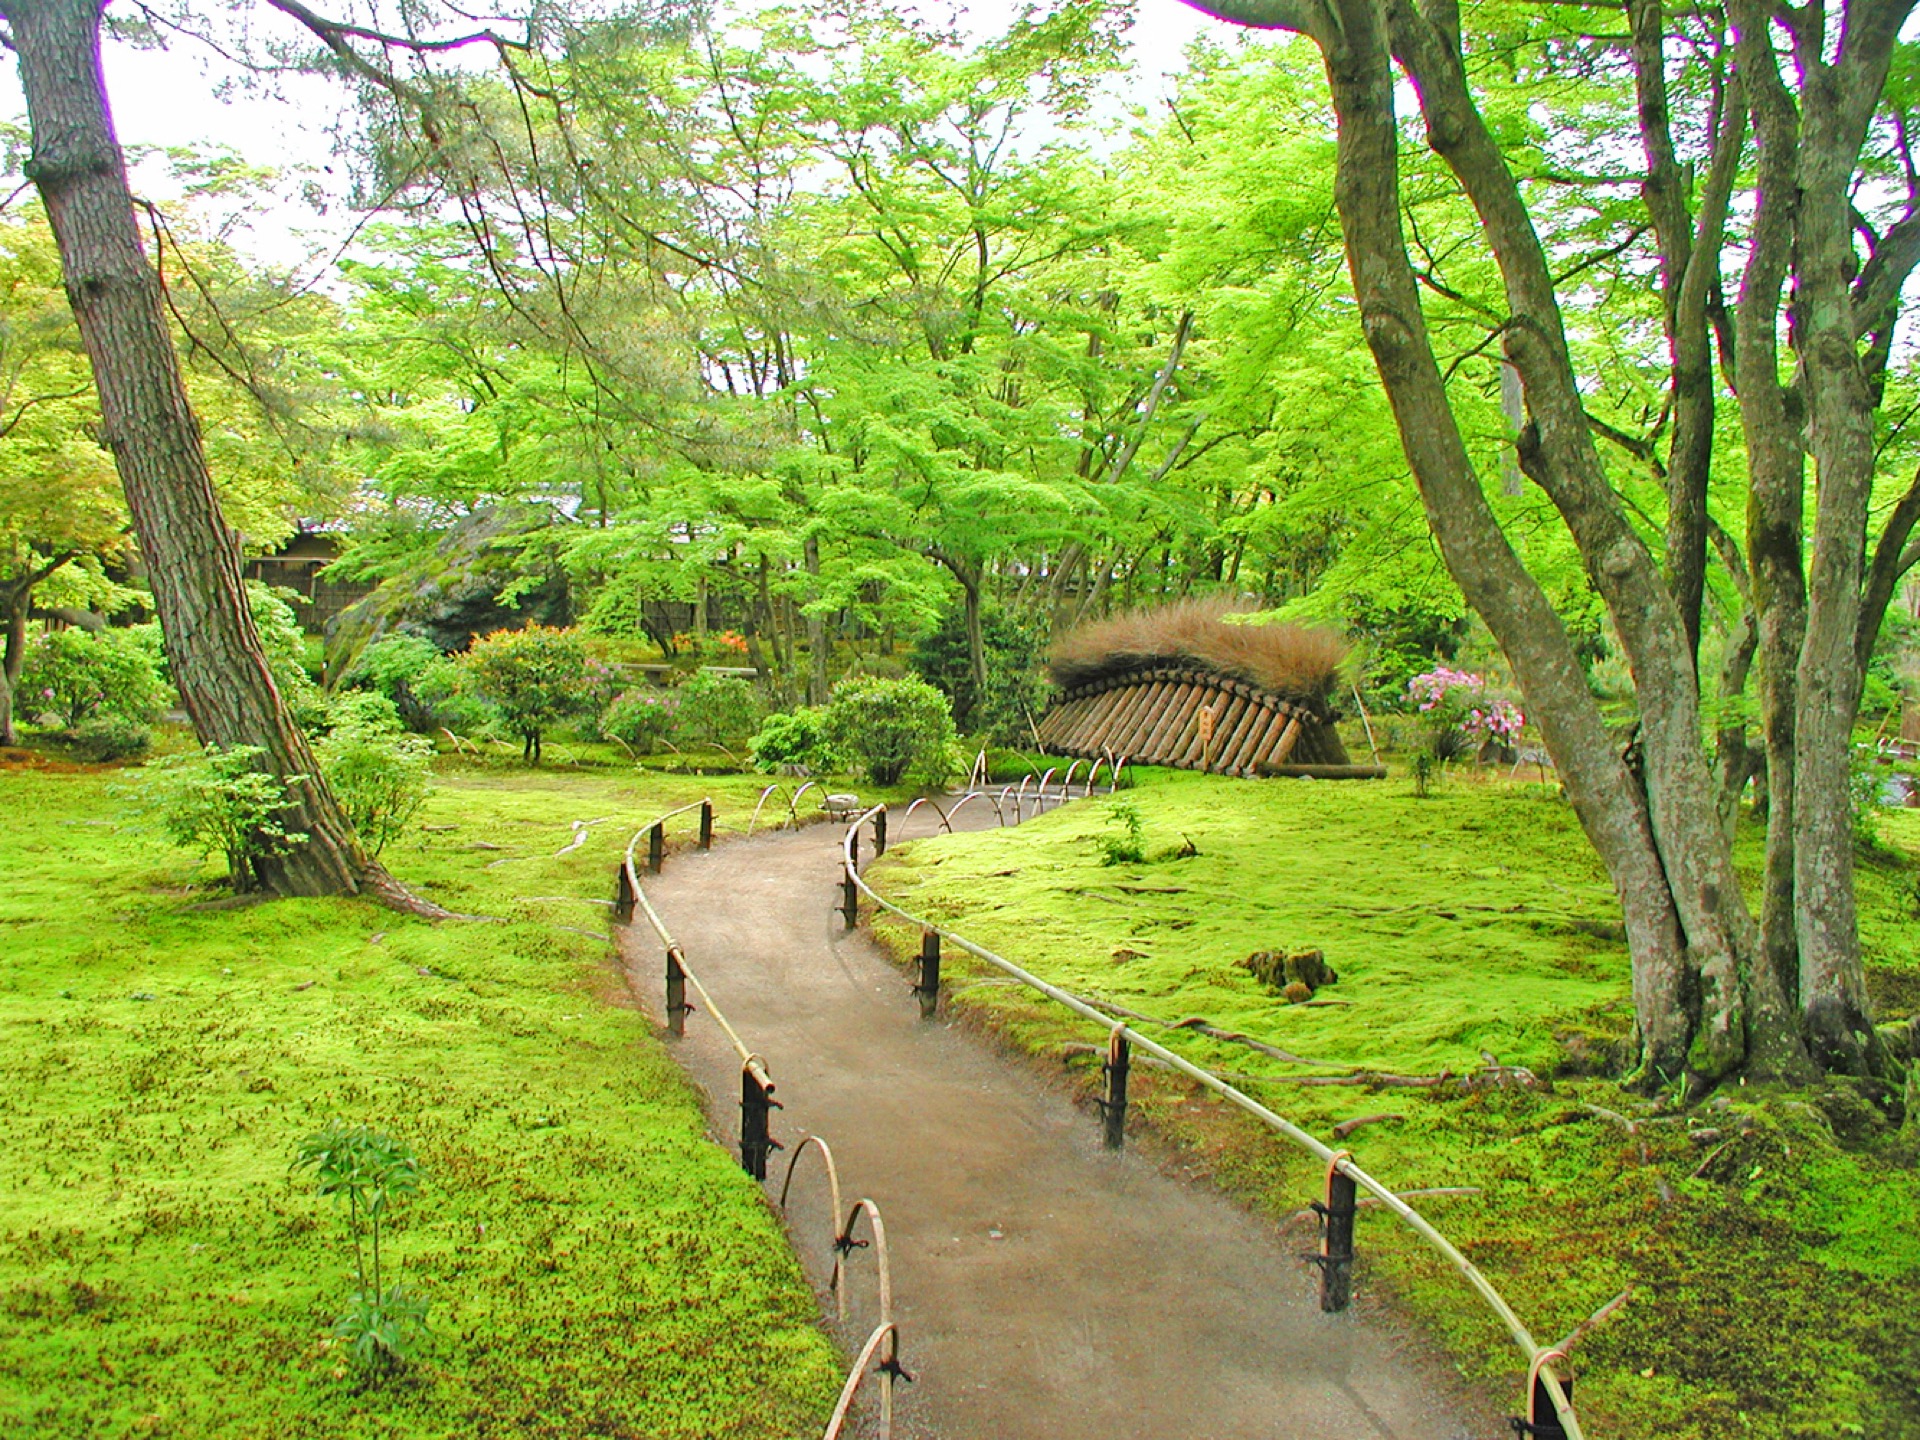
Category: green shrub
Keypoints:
(377, 771)
(452, 704)
(220, 802)
(363, 709)
(110, 737)
(716, 709)
(537, 677)
(1129, 847)
(403, 668)
(424, 685)
(640, 719)
(79, 674)
(795, 737)
(895, 729)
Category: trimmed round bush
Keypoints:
(537, 677)
(895, 729)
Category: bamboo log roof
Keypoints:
(1192, 719)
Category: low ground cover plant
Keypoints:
(1764, 1240)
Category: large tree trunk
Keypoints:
(1812, 665)
(1775, 490)
(193, 558)
(1606, 797)
(1840, 405)
(1734, 994)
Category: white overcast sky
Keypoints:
(168, 98)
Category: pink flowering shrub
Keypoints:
(1460, 713)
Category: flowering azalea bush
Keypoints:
(1460, 713)
(1500, 720)
(720, 644)
(640, 719)
(537, 677)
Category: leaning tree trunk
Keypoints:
(192, 557)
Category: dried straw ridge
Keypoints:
(1288, 660)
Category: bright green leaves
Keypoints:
(369, 1170)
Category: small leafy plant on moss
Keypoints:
(383, 1324)
(1129, 846)
(1425, 767)
(220, 802)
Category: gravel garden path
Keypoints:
(1043, 1287)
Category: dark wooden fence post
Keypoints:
(879, 834)
(706, 824)
(853, 846)
(929, 987)
(656, 847)
(1336, 1246)
(677, 1006)
(623, 894)
(850, 900)
(1543, 1421)
(756, 1100)
(1114, 1105)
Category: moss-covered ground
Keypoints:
(1768, 1240)
(594, 1265)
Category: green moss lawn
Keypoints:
(1769, 1241)
(594, 1265)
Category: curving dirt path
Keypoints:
(1043, 1286)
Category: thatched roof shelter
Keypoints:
(1184, 685)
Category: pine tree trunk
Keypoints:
(13, 657)
(193, 558)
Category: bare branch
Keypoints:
(1892, 558)
(26, 405)
(331, 29)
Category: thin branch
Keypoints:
(26, 405)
